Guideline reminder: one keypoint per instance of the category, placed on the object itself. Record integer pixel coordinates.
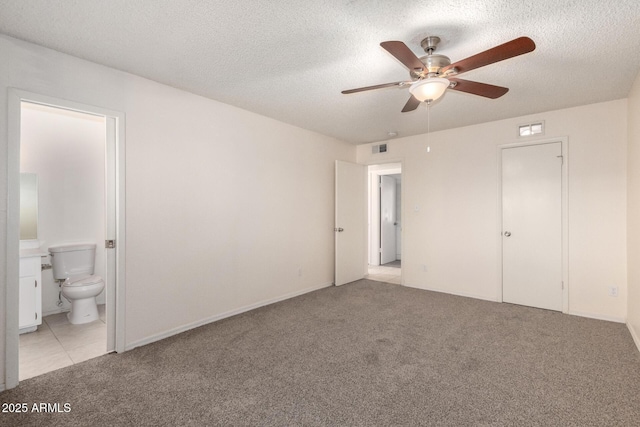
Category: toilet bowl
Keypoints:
(81, 293)
(73, 266)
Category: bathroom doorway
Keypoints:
(75, 155)
(385, 222)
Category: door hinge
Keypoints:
(36, 285)
(561, 157)
(562, 285)
(36, 313)
(110, 244)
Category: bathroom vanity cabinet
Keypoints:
(30, 296)
(31, 253)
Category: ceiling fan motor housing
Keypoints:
(432, 64)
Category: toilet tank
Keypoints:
(72, 260)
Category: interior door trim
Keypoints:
(117, 299)
(373, 175)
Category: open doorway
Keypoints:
(385, 223)
(62, 154)
(68, 159)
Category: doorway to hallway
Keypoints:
(385, 223)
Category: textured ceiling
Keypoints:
(289, 59)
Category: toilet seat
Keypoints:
(83, 281)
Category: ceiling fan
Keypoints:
(432, 74)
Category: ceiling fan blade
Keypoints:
(362, 89)
(411, 104)
(403, 54)
(477, 88)
(507, 50)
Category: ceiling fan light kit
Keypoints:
(432, 75)
(429, 89)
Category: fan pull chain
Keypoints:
(428, 117)
(428, 121)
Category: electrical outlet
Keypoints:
(613, 291)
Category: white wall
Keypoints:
(633, 212)
(223, 205)
(450, 221)
(66, 150)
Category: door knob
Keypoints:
(339, 230)
(507, 233)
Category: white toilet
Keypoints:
(74, 263)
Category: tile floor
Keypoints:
(385, 273)
(57, 343)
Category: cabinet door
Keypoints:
(27, 302)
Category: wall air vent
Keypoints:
(536, 128)
(380, 148)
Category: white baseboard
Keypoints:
(184, 328)
(460, 294)
(597, 316)
(573, 313)
(634, 335)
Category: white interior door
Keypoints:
(532, 225)
(387, 219)
(350, 223)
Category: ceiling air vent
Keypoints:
(380, 148)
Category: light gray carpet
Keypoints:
(367, 353)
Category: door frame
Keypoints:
(371, 218)
(564, 143)
(373, 209)
(115, 150)
(381, 233)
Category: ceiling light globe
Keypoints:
(429, 89)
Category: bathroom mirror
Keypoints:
(28, 206)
